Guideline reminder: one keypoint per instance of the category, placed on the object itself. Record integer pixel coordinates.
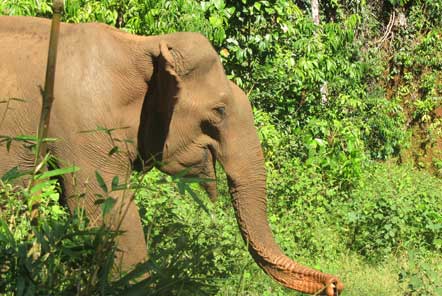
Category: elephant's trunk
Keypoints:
(244, 164)
(250, 205)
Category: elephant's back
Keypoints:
(23, 53)
(24, 27)
(24, 45)
(94, 64)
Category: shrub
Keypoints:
(192, 246)
(395, 208)
(45, 250)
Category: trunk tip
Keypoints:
(333, 286)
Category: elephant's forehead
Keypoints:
(209, 84)
(212, 96)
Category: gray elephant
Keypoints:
(172, 97)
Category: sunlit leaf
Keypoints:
(101, 181)
(57, 172)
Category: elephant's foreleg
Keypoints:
(123, 217)
(84, 190)
(131, 243)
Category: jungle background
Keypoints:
(347, 99)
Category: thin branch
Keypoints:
(389, 28)
(48, 92)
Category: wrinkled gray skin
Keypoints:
(172, 95)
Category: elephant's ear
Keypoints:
(160, 100)
(166, 78)
(173, 59)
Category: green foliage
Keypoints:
(141, 17)
(421, 61)
(191, 247)
(328, 100)
(398, 2)
(385, 133)
(394, 209)
(26, 7)
(420, 275)
(43, 249)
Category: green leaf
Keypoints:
(57, 172)
(20, 286)
(114, 150)
(13, 173)
(6, 233)
(416, 282)
(181, 173)
(99, 199)
(181, 188)
(196, 199)
(115, 183)
(139, 270)
(215, 21)
(25, 138)
(219, 4)
(107, 205)
(41, 185)
(8, 145)
(100, 181)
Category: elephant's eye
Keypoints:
(221, 111)
(217, 115)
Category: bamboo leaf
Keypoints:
(100, 181)
(13, 173)
(115, 183)
(107, 205)
(57, 172)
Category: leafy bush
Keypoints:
(393, 210)
(191, 249)
(421, 274)
(45, 250)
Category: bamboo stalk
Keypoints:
(48, 91)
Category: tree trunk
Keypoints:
(315, 11)
(315, 15)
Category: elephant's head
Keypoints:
(192, 117)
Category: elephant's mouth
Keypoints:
(206, 169)
(202, 167)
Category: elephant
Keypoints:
(173, 101)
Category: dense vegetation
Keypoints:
(349, 114)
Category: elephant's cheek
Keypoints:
(170, 168)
